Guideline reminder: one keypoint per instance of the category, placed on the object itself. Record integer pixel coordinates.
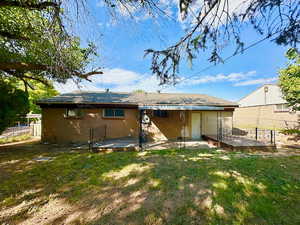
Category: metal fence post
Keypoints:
(271, 136)
(256, 133)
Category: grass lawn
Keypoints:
(15, 139)
(154, 187)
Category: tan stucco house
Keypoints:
(70, 117)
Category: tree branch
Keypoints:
(13, 36)
(21, 66)
(29, 5)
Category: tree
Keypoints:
(289, 79)
(33, 36)
(215, 23)
(36, 92)
(36, 48)
(35, 45)
(13, 104)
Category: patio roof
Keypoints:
(180, 107)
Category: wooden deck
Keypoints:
(239, 143)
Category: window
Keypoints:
(74, 113)
(160, 113)
(281, 108)
(113, 113)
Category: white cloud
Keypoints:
(116, 80)
(232, 77)
(256, 81)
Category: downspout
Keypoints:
(218, 133)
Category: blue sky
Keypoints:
(121, 43)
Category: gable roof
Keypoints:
(136, 98)
(256, 90)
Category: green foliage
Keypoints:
(38, 92)
(36, 49)
(15, 139)
(36, 41)
(289, 79)
(291, 132)
(13, 104)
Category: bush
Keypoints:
(291, 132)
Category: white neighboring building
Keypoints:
(265, 108)
(268, 94)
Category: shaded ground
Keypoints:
(48, 184)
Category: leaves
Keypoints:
(214, 24)
(34, 39)
(289, 79)
(13, 104)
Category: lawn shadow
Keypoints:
(154, 187)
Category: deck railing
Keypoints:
(97, 134)
(264, 135)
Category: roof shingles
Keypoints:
(136, 98)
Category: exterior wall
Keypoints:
(212, 121)
(259, 97)
(169, 128)
(264, 117)
(56, 128)
(174, 126)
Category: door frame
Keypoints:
(200, 127)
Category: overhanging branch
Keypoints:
(29, 5)
(10, 67)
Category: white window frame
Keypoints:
(282, 109)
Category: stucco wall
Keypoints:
(264, 117)
(168, 128)
(175, 126)
(56, 128)
(210, 121)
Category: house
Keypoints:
(265, 108)
(165, 116)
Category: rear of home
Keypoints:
(165, 116)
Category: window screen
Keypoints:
(161, 113)
(74, 113)
(281, 108)
(114, 113)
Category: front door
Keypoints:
(196, 126)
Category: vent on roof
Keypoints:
(107, 90)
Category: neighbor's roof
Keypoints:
(136, 98)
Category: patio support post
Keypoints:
(255, 133)
(141, 112)
(271, 136)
